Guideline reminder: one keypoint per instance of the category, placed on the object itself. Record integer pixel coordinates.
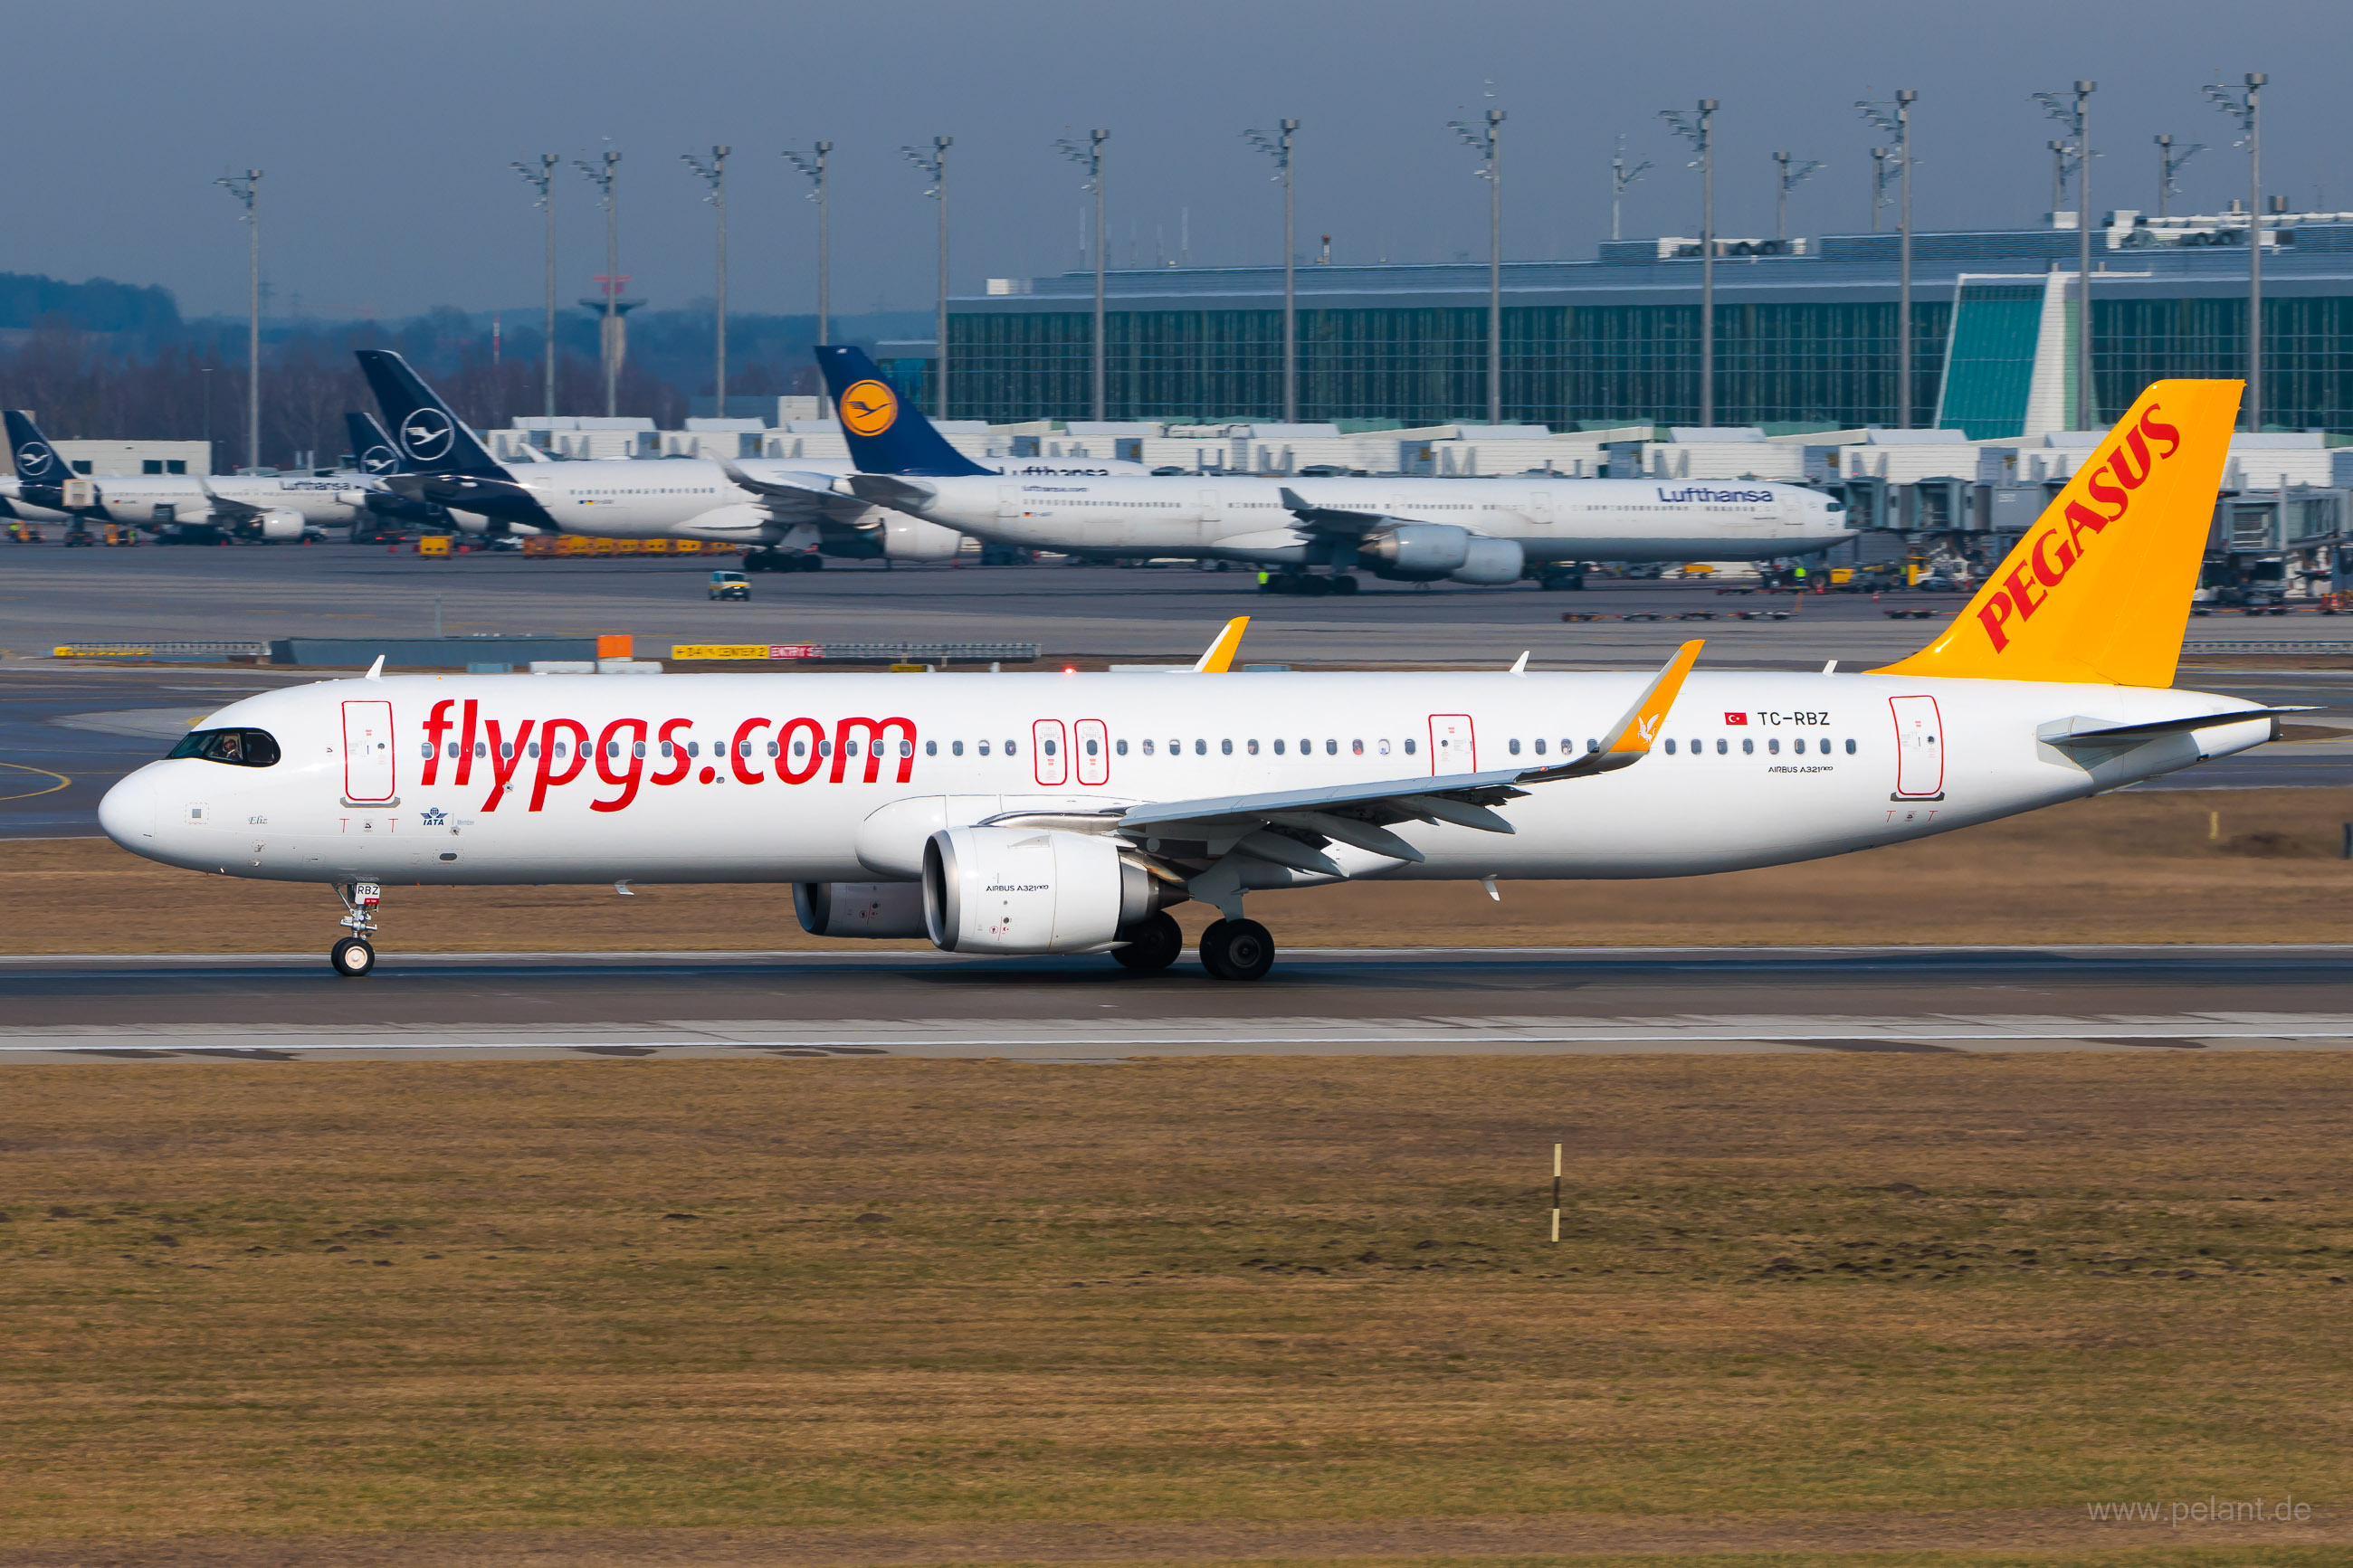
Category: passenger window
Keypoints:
(1592, 745)
(638, 747)
(1384, 748)
(1119, 748)
(1671, 746)
(1774, 747)
(955, 748)
(1748, 747)
(426, 750)
(1226, 747)
(1850, 748)
(931, 749)
(1355, 748)
(906, 748)
(482, 749)
(1409, 748)
(771, 747)
(1514, 747)
(1011, 750)
(532, 748)
(1147, 747)
(1253, 748)
(1278, 747)
(1800, 745)
(1092, 748)
(825, 747)
(984, 748)
(506, 748)
(1331, 748)
(1540, 751)
(453, 748)
(1722, 747)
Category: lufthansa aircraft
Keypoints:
(245, 506)
(785, 513)
(1480, 531)
(1064, 813)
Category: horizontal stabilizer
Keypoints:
(2112, 734)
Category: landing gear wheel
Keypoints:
(1237, 950)
(1313, 587)
(1153, 943)
(1342, 583)
(351, 958)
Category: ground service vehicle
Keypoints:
(731, 585)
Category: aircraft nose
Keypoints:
(127, 812)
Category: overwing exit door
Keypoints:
(1919, 748)
(1452, 748)
(368, 753)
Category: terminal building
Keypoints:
(1805, 333)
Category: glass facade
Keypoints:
(1567, 364)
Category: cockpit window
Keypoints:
(244, 748)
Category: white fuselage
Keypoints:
(145, 498)
(693, 498)
(1220, 517)
(751, 778)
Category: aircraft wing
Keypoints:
(1334, 518)
(226, 507)
(1361, 814)
(795, 497)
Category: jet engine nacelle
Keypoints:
(356, 500)
(738, 522)
(1490, 561)
(908, 537)
(1025, 890)
(280, 524)
(1418, 550)
(860, 909)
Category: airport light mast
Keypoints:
(934, 166)
(1896, 121)
(1621, 176)
(1278, 147)
(2169, 165)
(2245, 104)
(1698, 130)
(1786, 180)
(713, 172)
(602, 178)
(2063, 165)
(1090, 157)
(246, 187)
(2073, 110)
(813, 164)
(1487, 141)
(542, 180)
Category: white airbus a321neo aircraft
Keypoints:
(1034, 813)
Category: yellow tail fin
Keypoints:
(2098, 590)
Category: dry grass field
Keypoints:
(2158, 865)
(1903, 1310)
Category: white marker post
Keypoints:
(1555, 1192)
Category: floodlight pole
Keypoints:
(1700, 132)
(813, 164)
(2086, 404)
(1279, 148)
(1090, 157)
(246, 187)
(1905, 98)
(542, 180)
(1789, 180)
(602, 176)
(2245, 103)
(1487, 142)
(1620, 176)
(934, 166)
(714, 175)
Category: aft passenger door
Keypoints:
(368, 753)
(1919, 749)
(1452, 748)
(1093, 745)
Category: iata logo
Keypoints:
(868, 408)
(32, 461)
(2045, 560)
(427, 435)
(433, 816)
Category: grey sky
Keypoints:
(386, 129)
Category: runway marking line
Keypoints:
(63, 781)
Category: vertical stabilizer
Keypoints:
(2098, 590)
(885, 435)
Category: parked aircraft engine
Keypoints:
(737, 523)
(860, 909)
(908, 537)
(280, 523)
(1417, 551)
(1490, 561)
(1025, 890)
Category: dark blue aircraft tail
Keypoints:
(886, 436)
(38, 462)
(427, 434)
(373, 452)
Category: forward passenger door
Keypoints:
(1452, 747)
(368, 753)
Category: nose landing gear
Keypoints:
(354, 956)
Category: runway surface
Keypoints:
(1402, 1002)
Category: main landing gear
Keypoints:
(354, 956)
(1237, 950)
(1154, 943)
(1308, 582)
